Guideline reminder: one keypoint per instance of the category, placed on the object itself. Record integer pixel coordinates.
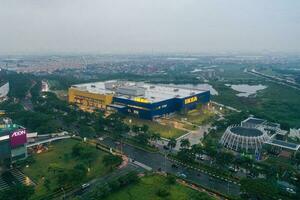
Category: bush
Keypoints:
(163, 192)
(171, 179)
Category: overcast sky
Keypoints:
(144, 26)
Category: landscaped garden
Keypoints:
(197, 117)
(67, 163)
(166, 131)
(156, 187)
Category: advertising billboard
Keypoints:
(18, 137)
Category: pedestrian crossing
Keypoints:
(3, 184)
(22, 178)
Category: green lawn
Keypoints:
(166, 131)
(197, 117)
(148, 187)
(59, 154)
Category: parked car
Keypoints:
(85, 185)
(181, 175)
(290, 190)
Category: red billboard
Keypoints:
(18, 137)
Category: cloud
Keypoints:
(118, 26)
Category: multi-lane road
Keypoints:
(157, 161)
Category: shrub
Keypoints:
(163, 192)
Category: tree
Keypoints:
(47, 183)
(186, 156)
(135, 128)
(155, 136)
(259, 189)
(224, 158)
(80, 172)
(145, 128)
(111, 160)
(172, 143)
(197, 149)
(162, 192)
(171, 179)
(17, 192)
(143, 138)
(185, 143)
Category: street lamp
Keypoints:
(63, 192)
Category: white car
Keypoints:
(84, 186)
(290, 190)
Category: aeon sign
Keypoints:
(18, 137)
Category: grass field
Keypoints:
(148, 187)
(166, 131)
(59, 154)
(276, 103)
(197, 117)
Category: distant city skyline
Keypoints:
(149, 26)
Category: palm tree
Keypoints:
(155, 137)
(185, 143)
(172, 143)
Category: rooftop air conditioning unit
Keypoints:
(176, 90)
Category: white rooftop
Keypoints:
(153, 92)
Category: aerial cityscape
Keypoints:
(149, 100)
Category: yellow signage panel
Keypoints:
(141, 99)
(191, 100)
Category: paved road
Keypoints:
(157, 161)
(104, 179)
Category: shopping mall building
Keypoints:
(147, 101)
(13, 139)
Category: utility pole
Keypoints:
(64, 193)
(165, 162)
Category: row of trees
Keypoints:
(103, 190)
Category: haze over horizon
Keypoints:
(145, 26)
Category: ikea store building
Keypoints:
(147, 101)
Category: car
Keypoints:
(181, 175)
(290, 190)
(85, 185)
(294, 178)
(200, 157)
(233, 169)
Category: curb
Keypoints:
(206, 172)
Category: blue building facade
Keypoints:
(162, 108)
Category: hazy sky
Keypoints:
(135, 26)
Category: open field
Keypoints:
(196, 117)
(166, 131)
(148, 187)
(60, 156)
(276, 103)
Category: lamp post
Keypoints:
(63, 192)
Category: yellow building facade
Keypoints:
(89, 101)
